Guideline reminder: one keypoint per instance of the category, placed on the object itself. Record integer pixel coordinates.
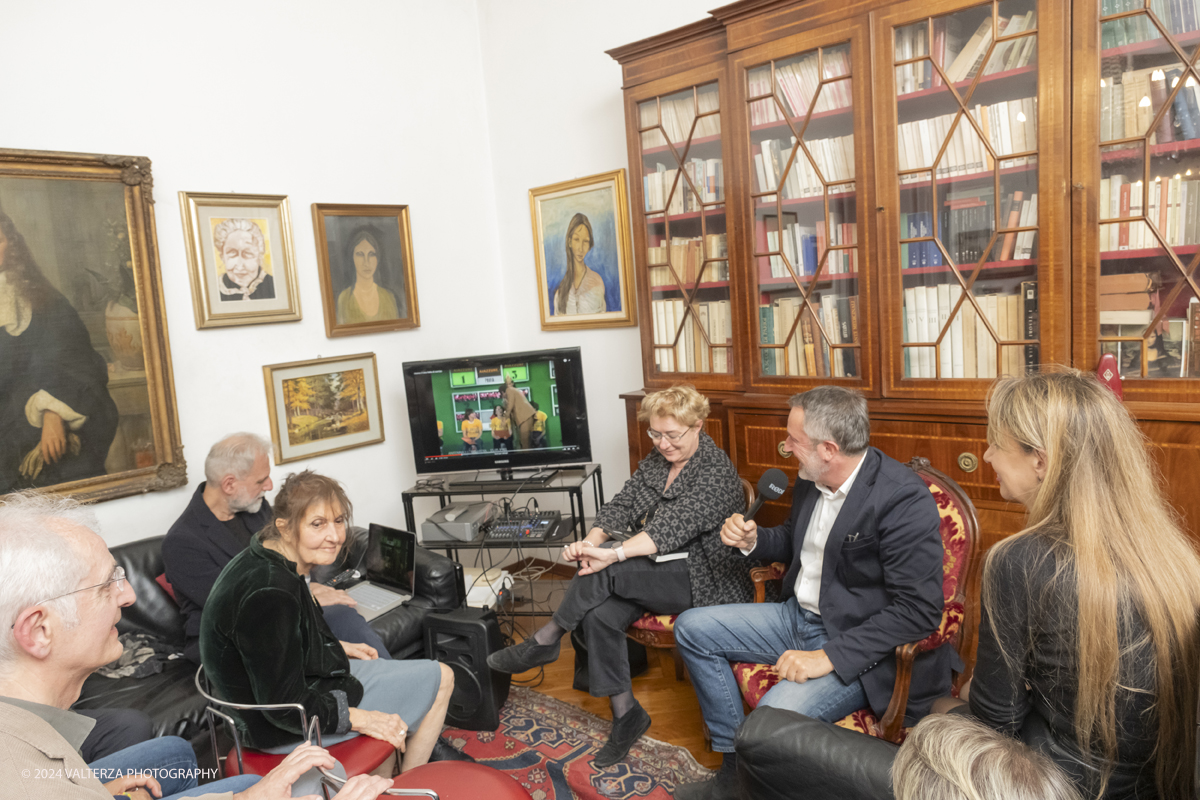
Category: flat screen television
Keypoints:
(538, 395)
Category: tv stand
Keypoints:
(503, 480)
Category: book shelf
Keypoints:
(916, 196)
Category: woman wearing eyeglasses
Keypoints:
(674, 503)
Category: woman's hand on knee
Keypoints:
(379, 725)
(363, 652)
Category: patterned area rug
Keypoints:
(547, 746)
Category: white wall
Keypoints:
(456, 108)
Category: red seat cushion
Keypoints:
(659, 623)
(162, 581)
(459, 780)
(359, 756)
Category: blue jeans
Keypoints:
(170, 761)
(709, 638)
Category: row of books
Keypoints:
(806, 350)
(834, 157)
(1173, 207)
(966, 226)
(1177, 15)
(968, 349)
(1010, 126)
(1128, 108)
(804, 245)
(707, 175)
(691, 353)
(688, 255)
(797, 82)
(961, 56)
(679, 112)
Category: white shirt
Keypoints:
(812, 552)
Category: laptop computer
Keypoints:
(390, 566)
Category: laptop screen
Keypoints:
(391, 556)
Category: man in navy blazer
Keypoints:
(226, 510)
(864, 575)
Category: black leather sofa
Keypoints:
(784, 755)
(170, 698)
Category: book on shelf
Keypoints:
(962, 56)
(676, 114)
(699, 335)
(703, 181)
(796, 84)
(967, 349)
(688, 257)
(1131, 30)
(834, 157)
(806, 332)
(1171, 203)
(1010, 126)
(1128, 282)
(1130, 100)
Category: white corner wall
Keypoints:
(455, 108)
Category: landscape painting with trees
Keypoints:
(325, 406)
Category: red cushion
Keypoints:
(659, 623)
(459, 780)
(359, 756)
(162, 581)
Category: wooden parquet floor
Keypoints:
(674, 711)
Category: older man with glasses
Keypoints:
(60, 601)
(673, 505)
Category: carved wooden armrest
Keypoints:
(892, 724)
(760, 576)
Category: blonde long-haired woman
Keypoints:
(1088, 645)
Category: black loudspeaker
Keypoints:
(463, 639)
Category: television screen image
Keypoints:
(502, 411)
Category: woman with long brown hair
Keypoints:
(1088, 645)
(581, 290)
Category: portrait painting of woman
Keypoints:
(581, 241)
(366, 266)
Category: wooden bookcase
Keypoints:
(911, 198)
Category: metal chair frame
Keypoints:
(311, 727)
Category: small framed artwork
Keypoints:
(240, 258)
(365, 258)
(323, 406)
(87, 395)
(584, 260)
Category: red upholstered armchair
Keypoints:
(658, 631)
(960, 537)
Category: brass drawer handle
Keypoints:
(968, 462)
(783, 453)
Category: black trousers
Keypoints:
(605, 603)
(116, 729)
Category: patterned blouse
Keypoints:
(688, 516)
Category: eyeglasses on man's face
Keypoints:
(115, 584)
(671, 436)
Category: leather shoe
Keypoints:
(626, 730)
(524, 656)
(444, 751)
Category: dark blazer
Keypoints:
(880, 590)
(265, 640)
(197, 548)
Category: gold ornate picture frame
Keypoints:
(323, 405)
(582, 252)
(86, 389)
(240, 258)
(365, 258)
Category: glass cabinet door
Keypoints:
(1148, 306)
(687, 249)
(804, 199)
(965, 166)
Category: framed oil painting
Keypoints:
(365, 258)
(87, 398)
(240, 258)
(323, 406)
(584, 260)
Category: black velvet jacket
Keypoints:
(264, 640)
